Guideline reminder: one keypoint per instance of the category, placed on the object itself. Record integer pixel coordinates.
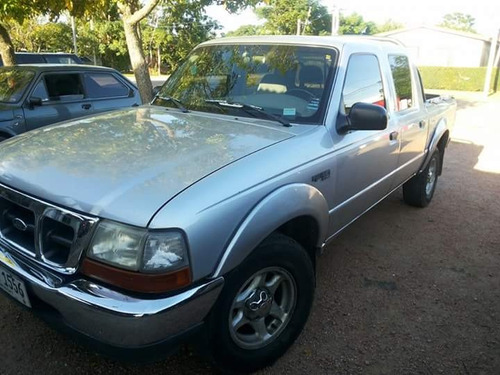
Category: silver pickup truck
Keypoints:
(207, 208)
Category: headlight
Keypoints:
(138, 249)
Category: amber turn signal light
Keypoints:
(135, 281)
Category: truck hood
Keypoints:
(125, 165)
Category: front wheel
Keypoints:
(263, 307)
(419, 190)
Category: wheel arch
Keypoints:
(299, 211)
(439, 140)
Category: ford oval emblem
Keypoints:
(19, 224)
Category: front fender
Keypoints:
(277, 208)
(439, 131)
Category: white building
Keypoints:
(436, 46)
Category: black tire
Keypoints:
(2, 138)
(419, 190)
(278, 252)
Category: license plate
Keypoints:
(14, 286)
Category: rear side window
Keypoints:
(22, 58)
(363, 82)
(401, 75)
(64, 86)
(104, 85)
(54, 59)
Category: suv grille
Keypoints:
(49, 234)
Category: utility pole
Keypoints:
(335, 20)
(298, 26)
(73, 28)
(491, 61)
(307, 20)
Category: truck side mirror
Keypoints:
(34, 101)
(364, 116)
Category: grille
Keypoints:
(49, 234)
(18, 225)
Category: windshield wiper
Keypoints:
(177, 102)
(249, 108)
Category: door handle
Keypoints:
(86, 106)
(421, 124)
(393, 136)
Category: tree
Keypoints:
(459, 21)
(281, 17)
(246, 30)
(355, 24)
(181, 26)
(18, 10)
(389, 25)
(106, 41)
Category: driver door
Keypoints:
(59, 97)
(365, 159)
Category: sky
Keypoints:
(410, 13)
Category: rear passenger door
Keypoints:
(61, 97)
(410, 115)
(108, 92)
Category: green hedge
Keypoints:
(451, 78)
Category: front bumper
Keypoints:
(108, 316)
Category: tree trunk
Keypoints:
(6, 47)
(138, 61)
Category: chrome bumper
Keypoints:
(112, 317)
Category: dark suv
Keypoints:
(32, 96)
(45, 58)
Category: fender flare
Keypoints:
(439, 132)
(274, 210)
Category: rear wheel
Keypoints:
(263, 307)
(420, 189)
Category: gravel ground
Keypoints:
(402, 291)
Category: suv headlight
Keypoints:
(138, 249)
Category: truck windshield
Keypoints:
(291, 82)
(13, 83)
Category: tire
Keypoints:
(287, 280)
(419, 190)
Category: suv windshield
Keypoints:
(13, 83)
(291, 82)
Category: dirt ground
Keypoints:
(402, 291)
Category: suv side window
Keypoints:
(401, 75)
(104, 85)
(64, 86)
(363, 82)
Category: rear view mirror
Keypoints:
(364, 116)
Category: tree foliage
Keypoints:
(354, 24)
(281, 17)
(389, 25)
(34, 36)
(459, 21)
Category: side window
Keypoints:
(64, 86)
(401, 75)
(104, 85)
(40, 91)
(363, 82)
